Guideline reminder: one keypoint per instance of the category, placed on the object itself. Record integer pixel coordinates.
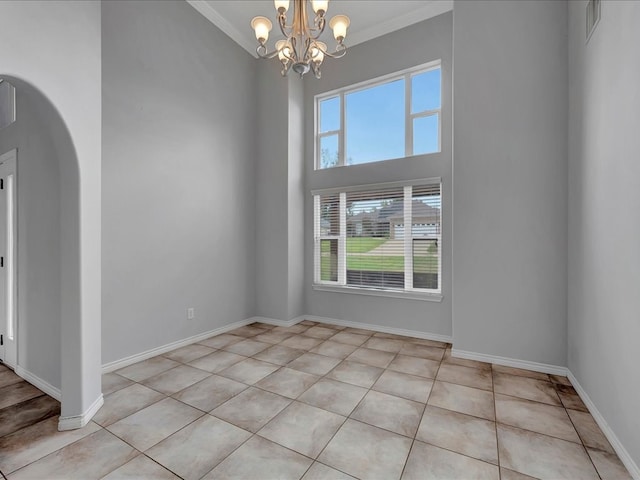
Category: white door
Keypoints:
(8, 226)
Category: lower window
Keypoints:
(382, 237)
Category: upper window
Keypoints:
(394, 117)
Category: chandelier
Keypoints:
(301, 50)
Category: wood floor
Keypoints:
(22, 404)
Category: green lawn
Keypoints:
(357, 245)
(422, 264)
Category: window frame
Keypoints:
(409, 117)
(341, 284)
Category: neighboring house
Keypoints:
(388, 221)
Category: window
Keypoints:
(394, 117)
(379, 238)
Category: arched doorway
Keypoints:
(49, 294)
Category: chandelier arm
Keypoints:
(320, 24)
(287, 30)
(341, 50)
(262, 52)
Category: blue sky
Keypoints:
(375, 119)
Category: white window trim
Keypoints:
(409, 117)
(340, 286)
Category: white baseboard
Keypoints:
(622, 452)
(79, 421)
(379, 328)
(36, 381)
(511, 362)
(275, 321)
(138, 357)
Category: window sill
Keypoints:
(425, 297)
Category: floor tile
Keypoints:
(247, 331)
(189, 353)
(319, 471)
(535, 416)
(124, 402)
(302, 428)
(415, 366)
(520, 372)
(464, 362)
(209, 393)
(176, 379)
(279, 354)
(506, 474)
(91, 457)
(589, 431)
(359, 331)
(272, 337)
(570, 398)
(471, 436)
(459, 398)
(8, 377)
(421, 351)
(384, 344)
(350, 338)
(37, 441)
(334, 349)
(368, 356)
(427, 343)
(320, 332)
(247, 347)
(542, 456)
(470, 377)
(287, 382)
(392, 413)
(199, 447)
(249, 371)
(301, 342)
(314, 363)
(523, 387)
(411, 387)
(332, 325)
(217, 361)
(221, 341)
(608, 465)
(308, 323)
(560, 379)
(153, 424)
(296, 329)
(427, 461)
(147, 368)
(27, 413)
(334, 396)
(112, 382)
(367, 452)
(17, 393)
(251, 409)
(356, 373)
(139, 468)
(261, 458)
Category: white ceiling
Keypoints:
(369, 19)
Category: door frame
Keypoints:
(9, 350)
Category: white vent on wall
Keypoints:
(593, 16)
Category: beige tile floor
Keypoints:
(320, 402)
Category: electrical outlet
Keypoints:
(191, 313)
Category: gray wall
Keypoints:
(279, 195)
(414, 45)
(510, 171)
(38, 245)
(179, 107)
(604, 225)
